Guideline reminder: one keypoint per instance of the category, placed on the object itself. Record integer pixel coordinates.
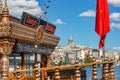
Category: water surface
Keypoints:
(99, 72)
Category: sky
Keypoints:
(74, 18)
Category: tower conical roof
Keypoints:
(70, 38)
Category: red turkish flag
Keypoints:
(102, 26)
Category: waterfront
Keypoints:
(99, 71)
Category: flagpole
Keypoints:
(104, 49)
(103, 52)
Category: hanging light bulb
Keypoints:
(47, 6)
(36, 46)
(45, 12)
(49, 1)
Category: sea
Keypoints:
(99, 73)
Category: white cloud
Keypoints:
(115, 2)
(115, 16)
(116, 48)
(115, 25)
(59, 21)
(88, 13)
(16, 7)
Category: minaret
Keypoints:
(70, 41)
(5, 12)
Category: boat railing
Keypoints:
(40, 73)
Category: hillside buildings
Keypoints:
(72, 52)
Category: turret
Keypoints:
(70, 41)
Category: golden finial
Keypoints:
(5, 12)
(1, 7)
(5, 3)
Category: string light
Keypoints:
(44, 7)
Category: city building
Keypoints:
(71, 52)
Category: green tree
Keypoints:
(88, 60)
(81, 60)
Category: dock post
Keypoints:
(111, 70)
(94, 71)
(5, 50)
(57, 73)
(105, 71)
(18, 73)
(77, 72)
